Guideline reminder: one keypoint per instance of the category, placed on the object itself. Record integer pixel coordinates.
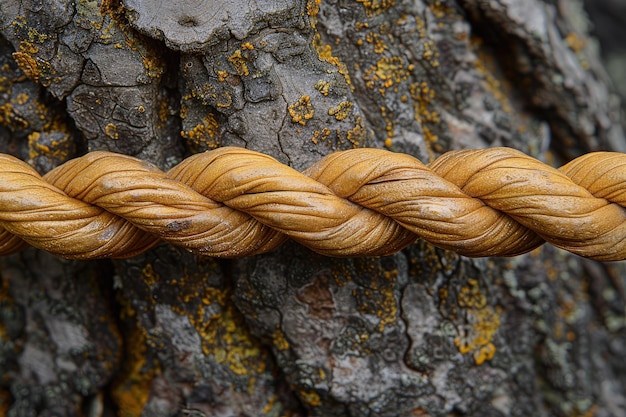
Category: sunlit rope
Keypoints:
(232, 202)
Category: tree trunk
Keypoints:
(424, 332)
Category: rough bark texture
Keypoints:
(422, 333)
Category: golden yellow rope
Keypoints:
(232, 202)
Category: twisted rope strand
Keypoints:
(232, 202)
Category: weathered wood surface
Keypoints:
(421, 333)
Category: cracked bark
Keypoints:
(422, 333)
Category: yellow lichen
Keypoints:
(163, 112)
(224, 335)
(131, 389)
(46, 120)
(312, 9)
(224, 99)
(484, 353)
(324, 50)
(10, 119)
(323, 87)
(440, 9)
(107, 32)
(375, 7)
(271, 402)
(478, 334)
(378, 299)
(280, 342)
(221, 76)
(28, 65)
(325, 53)
(132, 385)
(422, 96)
(476, 322)
(577, 44)
(430, 53)
(150, 58)
(431, 139)
(357, 134)
(240, 63)
(471, 296)
(88, 14)
(59, 150)
(421, 27)
(311, 398)
(320, 136)
(342, 110)
(149, 276)
(204, 135)
(113, 14)
(110, 21)
(28, 33)
(112, 8)
(387, 71)
(302, 110)
(376, 41)
(111, 131)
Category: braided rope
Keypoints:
(232, 202)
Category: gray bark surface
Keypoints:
(424, 332)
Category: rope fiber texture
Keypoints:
(232, 202)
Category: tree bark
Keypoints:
(424, 332)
